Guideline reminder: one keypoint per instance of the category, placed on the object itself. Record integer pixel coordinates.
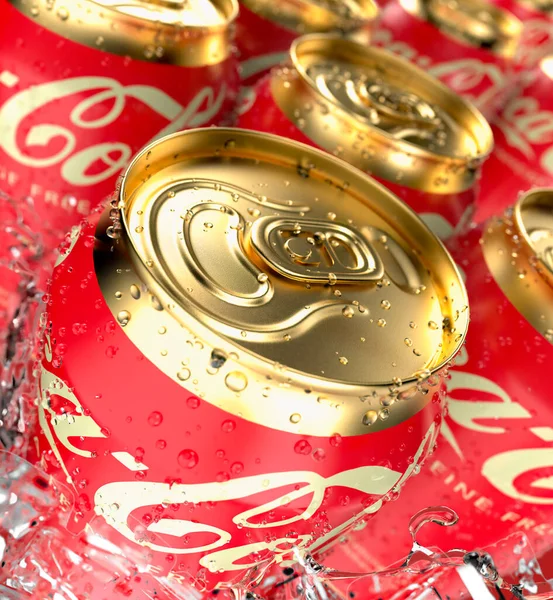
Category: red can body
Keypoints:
(523, 156)
(483, 77)
(537, 33)
(72, 120)
(494, 459)
(442, 212)
(204, 489)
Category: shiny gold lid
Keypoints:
(382, 114)
(290, 288)
(311, 16)
(477, 23)
(518, 249)
(179, 32)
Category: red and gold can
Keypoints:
(494, 461)
(84, 86)
(383, 115)
(537, 34)
(470, 45)
(523, 155)
(246, 355)
(266, 29)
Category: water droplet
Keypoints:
(370, 417)
(118, 295)
(111, 351)
(139, 229)
(208, 225)
(218, 358)
(319, 454)
(302, 447)
(412, 325)
(123, 316)
(193, 402)
(183, 374)
(343, 360)
(433, 325)
(135, 291)
(331, 216)
(230, 144)
(348, 312)
(155, 418)
(385, 304)
(335, 440)
(187, 459)
(295, 418)
(236, 381)
(236, 468)
(287, 337)
(549, 335)
(161, 444)
(63, 13)
(228, 426)
(162, 330)
(384, 414)
(408, 342)
(262, 277)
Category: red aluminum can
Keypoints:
(523, 157)
(383, 115)
(537, 34)
(115, 77)
(265, 30)
(494, 461)
(244, 354)
(470, 45)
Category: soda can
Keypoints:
(383, 115)
(265, 30)
(537, 34)
(494, 460)
(115, 76)
(284, 322)
(523, 157)
(470, 45)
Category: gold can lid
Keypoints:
(518, 249)
(180, 32)
(477, 23)
(382, 114)
(312, 16)
(279, 263)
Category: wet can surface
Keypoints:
(265, 29)
(523, 157)
(246, 354)
(537, 34)
(383, 115)
(470, 45)
(115, 77)
(494, 460)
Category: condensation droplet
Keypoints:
(381, 322)
(183, 374)
(348, 312)
(370, 417)
(123, 316)
(135, 291)
(236, 381)
(187, 459)
(295, 418)
(385, 304)
(343, 360)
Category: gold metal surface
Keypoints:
(179, 32)
(477, 23)
(382, 114)
(311, 16)
(279, 283)
(518, 249)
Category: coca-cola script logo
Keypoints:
(527, 126)
(503, 469)
(101, 101)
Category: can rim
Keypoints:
(324, 162)
(307, 16)
(508, 26)
(474, 123)
(90, 23)
(523, 275)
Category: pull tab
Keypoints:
(395, 104)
